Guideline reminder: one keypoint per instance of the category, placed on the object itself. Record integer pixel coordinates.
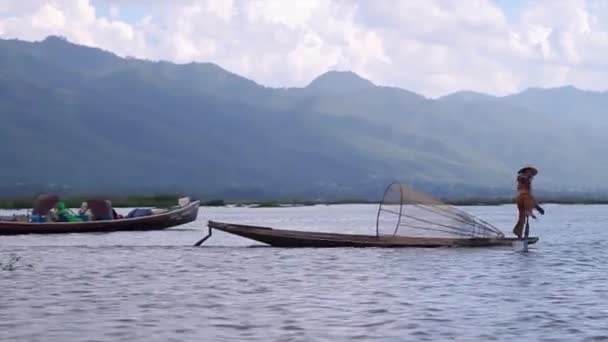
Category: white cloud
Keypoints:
(433, 46)
(75, 19)
(48, 17)
(114, 11)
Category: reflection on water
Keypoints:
(152, 286)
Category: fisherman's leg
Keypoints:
(527, 231)
(519, 226)
(521, 219)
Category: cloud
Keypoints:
(75, 19)
(433, 47)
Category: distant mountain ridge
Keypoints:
(339, 82)
(81, 119)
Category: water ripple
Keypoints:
(154, 287)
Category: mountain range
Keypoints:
(77, 119)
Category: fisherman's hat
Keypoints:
(528, 169)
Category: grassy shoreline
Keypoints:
(457, 202)
(170, 200)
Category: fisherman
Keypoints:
(525, 200)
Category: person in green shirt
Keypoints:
(66, 215)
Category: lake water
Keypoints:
(153, 286)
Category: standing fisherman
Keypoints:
(525, 200)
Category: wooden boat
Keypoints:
(182, 214)
(406, 218)
(293, 238)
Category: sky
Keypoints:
(433, 47)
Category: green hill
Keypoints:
(78, 119)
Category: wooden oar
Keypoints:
(527, 229)
(526, 234)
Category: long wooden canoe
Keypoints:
(171, 218)
(293, 238)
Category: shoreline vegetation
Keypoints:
(161, 201)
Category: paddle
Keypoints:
(524, 240)
(526, 234)
(521, 244)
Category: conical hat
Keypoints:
(529, 169)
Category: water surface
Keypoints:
(152, 286)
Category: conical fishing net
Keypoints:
(408, 213)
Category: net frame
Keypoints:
(467, 225)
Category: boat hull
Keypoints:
(292, 238)
(161, 221)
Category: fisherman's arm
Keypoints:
(539, 209)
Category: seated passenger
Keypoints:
(65, 215)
